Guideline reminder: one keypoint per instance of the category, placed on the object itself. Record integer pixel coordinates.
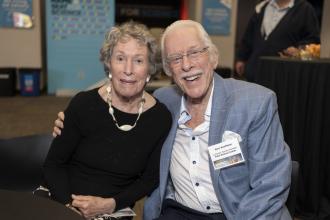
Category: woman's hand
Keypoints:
(91, 206)
(58, 124)
(73, 208)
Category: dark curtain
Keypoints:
(303, 93)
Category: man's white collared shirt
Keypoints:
(273, 15)
(189, 168)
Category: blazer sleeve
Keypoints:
(269, 165)
(152, 206)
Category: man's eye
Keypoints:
(176, 59)
(194, 53)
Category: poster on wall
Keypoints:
(216, 16)
(75, 30)
(16, 13)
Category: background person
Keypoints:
(276, 26)
(107, 156)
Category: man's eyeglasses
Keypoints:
(192, 55)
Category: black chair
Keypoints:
(21, 161)
(224, 72)
(291, 201)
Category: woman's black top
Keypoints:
(93, 157)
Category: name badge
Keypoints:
(225, 154)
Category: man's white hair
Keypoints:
(213, 50)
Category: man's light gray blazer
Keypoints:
(256, 189)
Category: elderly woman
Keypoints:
(107, 156)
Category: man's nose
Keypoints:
(186, 63)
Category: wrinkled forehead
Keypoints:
(182, 39)
(130, 46)
(126, 38)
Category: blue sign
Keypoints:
(75, 32)
(16, 13)
(216, 16)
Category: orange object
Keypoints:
(313, 49)
(184, 10)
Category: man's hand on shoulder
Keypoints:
(58, 124)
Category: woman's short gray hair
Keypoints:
(213, 50)
(136, 31)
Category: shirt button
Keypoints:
(196, 184)
(208, 207)
(194, 162)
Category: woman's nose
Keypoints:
(128, 68)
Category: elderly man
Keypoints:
(225, 156)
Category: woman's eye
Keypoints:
(119, 58)
(139, 61)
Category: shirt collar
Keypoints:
(275, 5)
(184, 114)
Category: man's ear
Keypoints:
(214, 60)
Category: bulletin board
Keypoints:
(216, 16)
(75, 30)
(16, 14)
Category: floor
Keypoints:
(29, 115)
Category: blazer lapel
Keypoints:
(166, 153)
(219, 114)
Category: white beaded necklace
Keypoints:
(124, 127)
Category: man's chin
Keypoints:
(194, 95)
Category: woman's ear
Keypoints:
(108, 65)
